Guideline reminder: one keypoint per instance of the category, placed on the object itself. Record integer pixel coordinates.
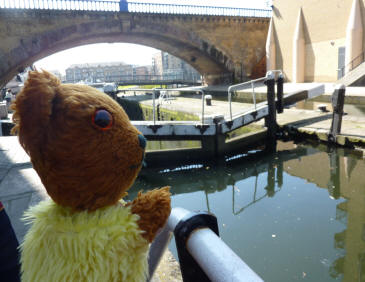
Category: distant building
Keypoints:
(142, 71)
(170, 66)
(99, 72)
(157, 63)
(163, 64)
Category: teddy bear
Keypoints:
(87, 155)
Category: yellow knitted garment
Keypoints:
(105, 245)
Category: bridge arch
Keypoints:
(34, 34)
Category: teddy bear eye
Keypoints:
(103, 119)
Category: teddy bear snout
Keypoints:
(142, 141)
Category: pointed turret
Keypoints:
(299, 50)
(270, 48)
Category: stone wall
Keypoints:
(213, 45)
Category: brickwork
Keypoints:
(213, 45)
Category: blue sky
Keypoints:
(129, 53)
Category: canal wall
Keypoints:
(316, 125)
(354, 95)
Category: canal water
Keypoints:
(297, 214)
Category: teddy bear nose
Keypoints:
(142, 141)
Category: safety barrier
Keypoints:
(203, 256)
(252, 83)
(133, 7)
(74, 5)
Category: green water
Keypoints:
(298, 214)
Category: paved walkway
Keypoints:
(310, 123)
(194, 106)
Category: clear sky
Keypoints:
(129, 53)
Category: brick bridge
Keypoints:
(219, 47)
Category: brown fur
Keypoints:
(153, 208)
(81, 166)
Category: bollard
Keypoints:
(270, 119)
(280, 90)
(208, 100)
(338, 100)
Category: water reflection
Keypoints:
(345, 179)
(301, 209)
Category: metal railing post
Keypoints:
(203, 94)
(154, 110)
(253, 94)
(270, 119)
(280, 90)
(241, 86)
(338, 100)
(230, 103)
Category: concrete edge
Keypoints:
(354, 142)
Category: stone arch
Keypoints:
(39, 40)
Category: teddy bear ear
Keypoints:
(33, 107)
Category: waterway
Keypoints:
(297, 214)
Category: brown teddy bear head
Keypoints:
(80, 141)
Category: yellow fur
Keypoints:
(61, 245)
(83, 234)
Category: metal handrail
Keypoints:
(215, 258)
(138, 7)
(155, 90)
(252, 82)
(74, 5)
(133, 7)
(352, 65)
(239, 87)
(179, 90)
(152, 78)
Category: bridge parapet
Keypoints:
(135, 7)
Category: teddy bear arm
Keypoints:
(153, 209)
